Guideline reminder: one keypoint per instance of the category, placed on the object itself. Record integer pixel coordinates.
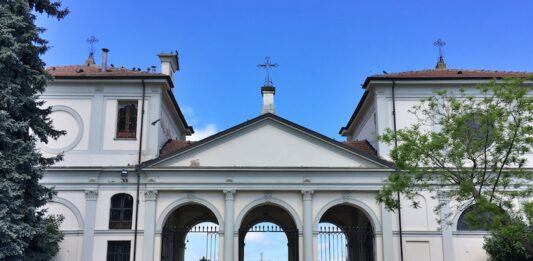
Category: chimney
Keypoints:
(169, 63)
(268, 91)
(104, 59)
(441, 65)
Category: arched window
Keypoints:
(462, 223)
(121, 211)
(482, 218)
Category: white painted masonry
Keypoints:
(267, 161)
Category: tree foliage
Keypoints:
(513, 241)
(26, 232)
(472, 145)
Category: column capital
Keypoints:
(91, 194)
(307, 194)
(150, 195)
(229, 194)
(443, 196)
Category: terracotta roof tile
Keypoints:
(453, 73)
(172, 146)
(362, 145)
(83, 70)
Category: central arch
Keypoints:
(269, 212)
(185, 222)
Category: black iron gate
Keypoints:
(175, 240)
(345, 243)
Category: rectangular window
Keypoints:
(127, 120)
(118, 250)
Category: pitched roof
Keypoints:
(434, 74)
(452, 74)
(172, 146)
(95, 71)
(354, 148)
(362, 145)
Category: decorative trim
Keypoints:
(346, 196)
(150, 195)
(229, 194)
(118, 232)
(268, 195)
(91, 194)
(307, 195)
(78, 137)
(367, 211)
(68, 204)
(443, 196)
(183, 202)
(273, 201)
(475, 233)
(458, 213)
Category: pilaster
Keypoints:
(307, 197)
(447, 230)
(91, 197)
(386, 230)
(150, 200)
(229, 209)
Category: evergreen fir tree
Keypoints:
(26, 233)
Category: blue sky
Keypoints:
(325, 49)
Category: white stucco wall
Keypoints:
(269, 143)
(88, 112)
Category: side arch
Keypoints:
(459, 212)
(68, 204)
(264, 201)
(185, 201)
(367, 211)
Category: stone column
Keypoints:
(386, 230)
(150, 200)
(88, 229)
(229, 208)
(447, 229)
(307, 196)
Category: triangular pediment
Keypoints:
(269, 141)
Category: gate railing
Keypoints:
(211, 238)
(172, 235)
(345, 243)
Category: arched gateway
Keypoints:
(184, 221)
(345, 233)
(283, 223)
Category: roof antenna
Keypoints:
(440, 63)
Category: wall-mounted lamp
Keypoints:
(155, 122)
(124, 175)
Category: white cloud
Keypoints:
(254, 237)
(202, 133)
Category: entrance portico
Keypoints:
(313, 181)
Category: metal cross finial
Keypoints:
(91, 40)
(268, 66)
(439, 43)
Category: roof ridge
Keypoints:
(448, 70)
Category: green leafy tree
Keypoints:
(26, 232)
(514, 241)
(470, 147)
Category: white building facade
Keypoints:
(129, 174)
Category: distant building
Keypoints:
(267, 169)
